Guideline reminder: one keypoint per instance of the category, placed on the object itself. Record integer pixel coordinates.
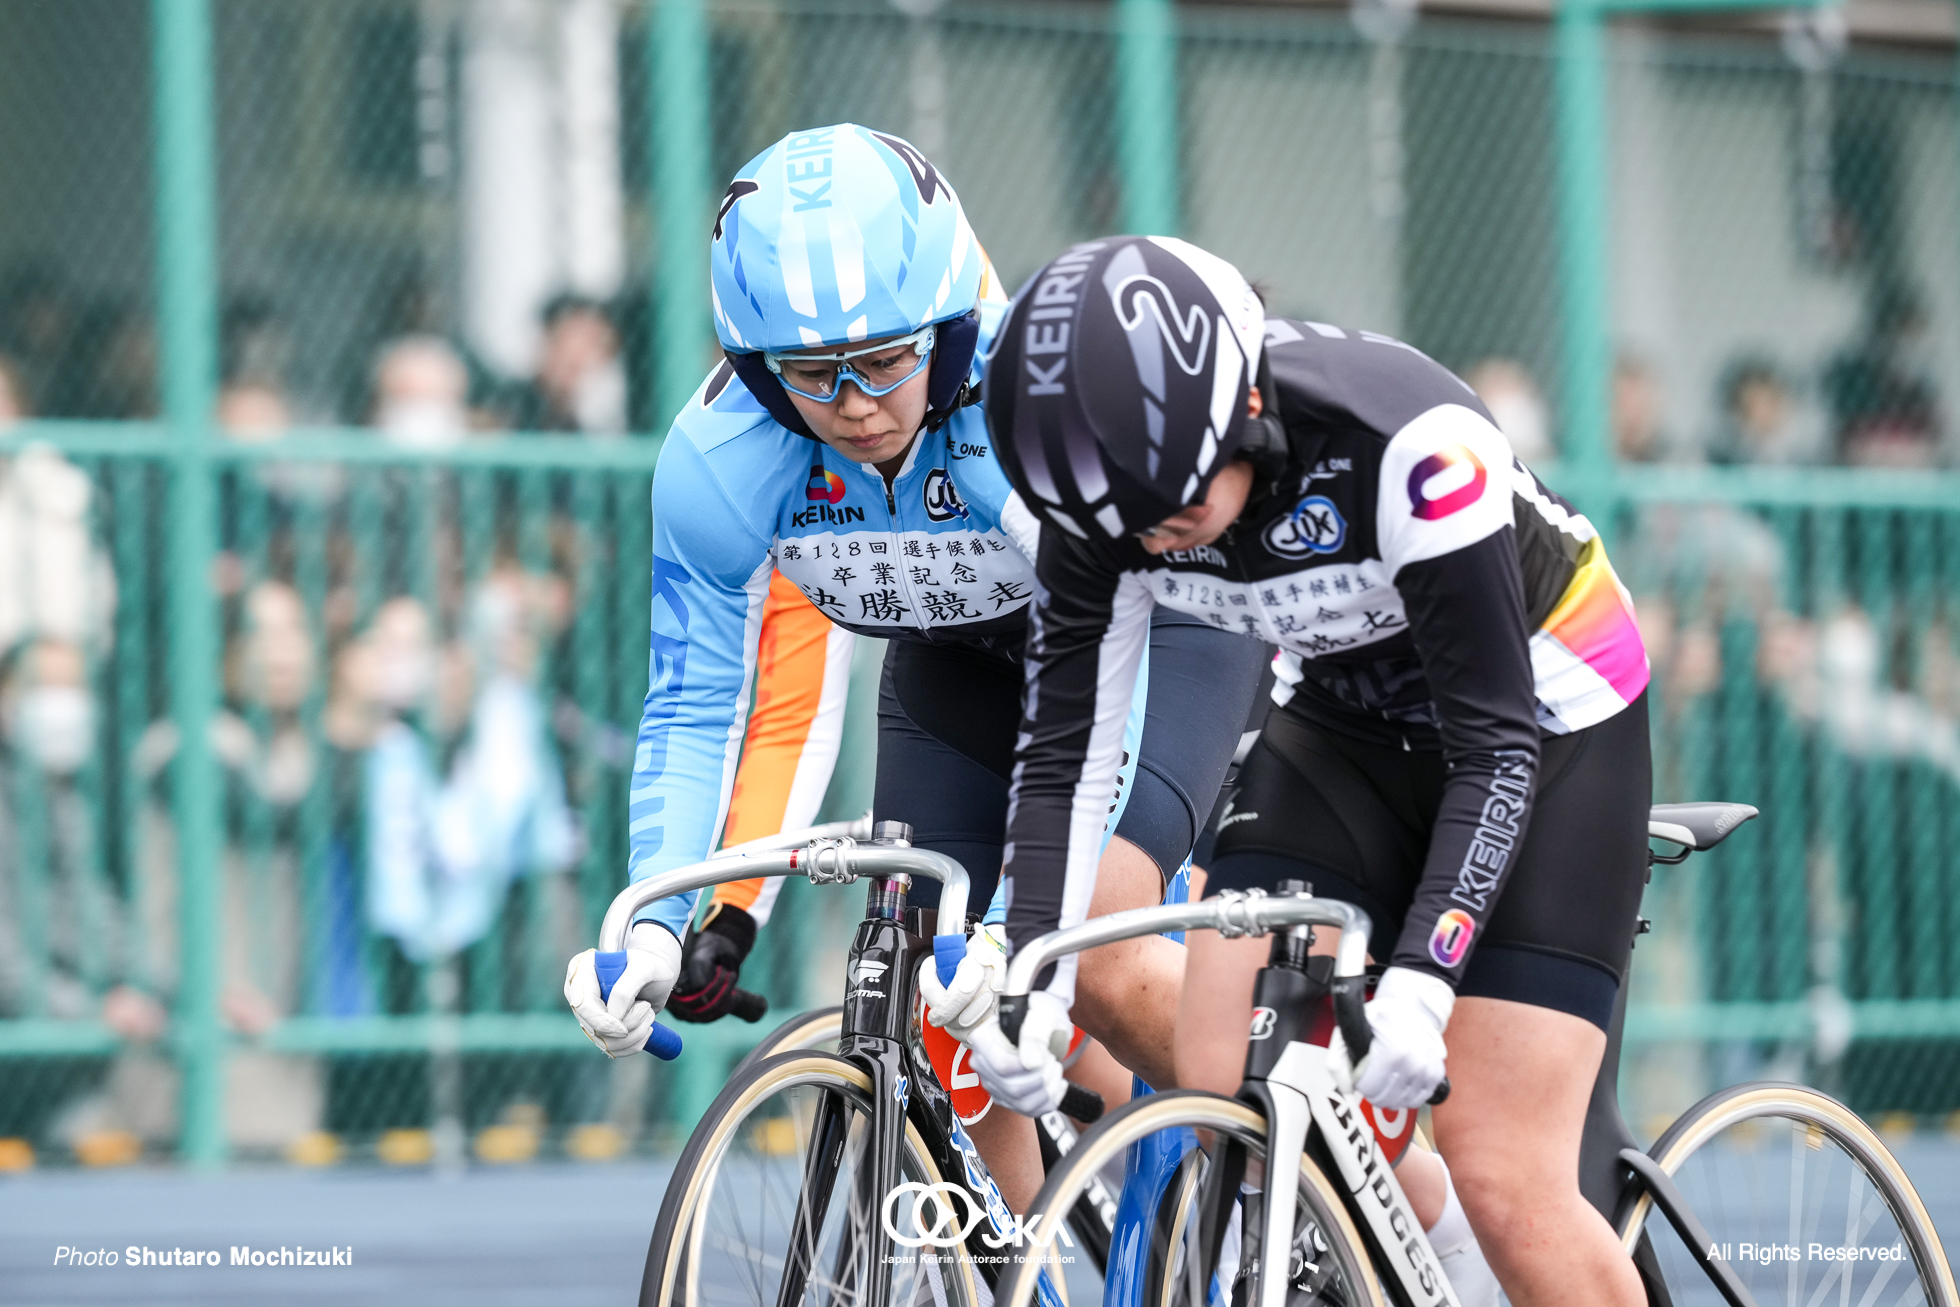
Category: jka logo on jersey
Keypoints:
(943, 502)
(1314, 526)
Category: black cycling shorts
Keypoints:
(1353, 819)
(948, 716)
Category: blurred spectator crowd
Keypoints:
(1874, 402)
(393, 744)
(64, 354)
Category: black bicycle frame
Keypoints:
(878, 1036)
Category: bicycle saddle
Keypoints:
(1696, 825)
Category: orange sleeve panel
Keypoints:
(803, 666)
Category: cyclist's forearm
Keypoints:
(684, 758)
(1084, 656)
(1466, 616)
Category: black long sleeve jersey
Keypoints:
(1424, 588)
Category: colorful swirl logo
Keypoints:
(1451, 938)
(825, 487)
(1437, 464)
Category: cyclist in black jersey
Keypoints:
(1459, 745)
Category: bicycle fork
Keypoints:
(1287, 1077)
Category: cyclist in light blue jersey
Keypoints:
(838, 444)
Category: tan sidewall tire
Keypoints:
(1794, 1102)
(770, 1077)
(1103, 1144)
(804, 1030)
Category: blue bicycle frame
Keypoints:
(1148, 1168)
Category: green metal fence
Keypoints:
(308, 510)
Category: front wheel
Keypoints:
(818, 1028)
(1155, 1258)
(1805, 1202)
(760, 1211)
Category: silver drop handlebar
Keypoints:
(1230, 914)
(858, 828)
(828, 855)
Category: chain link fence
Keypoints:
(440, 312)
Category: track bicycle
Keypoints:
(1094, 1219)
(1778, 1193)
(1091, 1222)
(834, 1177)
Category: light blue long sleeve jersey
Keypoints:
(943, 555)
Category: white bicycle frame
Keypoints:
(1300, 1090)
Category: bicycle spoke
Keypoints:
(821, 1157)
(776, 1214)
(1187, 1233)
(1796, 1213)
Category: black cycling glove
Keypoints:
(710, 966)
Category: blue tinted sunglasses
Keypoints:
(885, 367)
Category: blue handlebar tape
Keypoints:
(947, 950)
(663, 1041)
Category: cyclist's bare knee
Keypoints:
(1216, 1009)
(1521, 1077)
(1125, 878)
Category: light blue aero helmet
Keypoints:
(840, 234)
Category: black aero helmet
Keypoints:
(1118, 385)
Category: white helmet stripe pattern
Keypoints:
(841, 233)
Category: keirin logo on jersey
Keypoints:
(824, 486)
(1452, 478)
(1187, 334)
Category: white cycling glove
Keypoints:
(970, 1001)
(1405, 1060)
(620, 1024)
(1026, 1076)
